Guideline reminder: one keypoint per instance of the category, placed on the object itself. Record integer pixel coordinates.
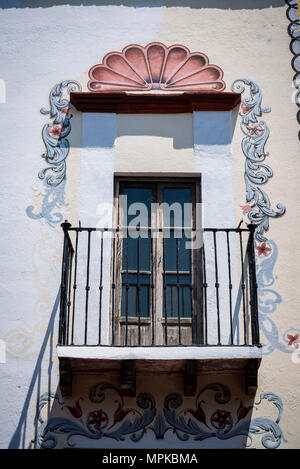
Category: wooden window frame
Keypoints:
(157, 323)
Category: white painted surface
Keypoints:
(155, 143)
(96, 210)
(213, 158)
(159, 353)
(33, 61)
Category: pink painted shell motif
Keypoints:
(155, 67)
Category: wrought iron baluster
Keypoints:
(87, 287)
(138, 288)
(178, 291)
(204, 286)
(243, 286)
(152, 286)
(113, 286)
(126, 291)
(194, 331)
(70, 264)
(253, 287)
(229, 285)
(217, 286)
(63, 286)
(165, 291)
(74, 286)
(100, 288)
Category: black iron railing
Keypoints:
(119, 292)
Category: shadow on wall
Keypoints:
(19, 438)
(178, 127)
(197, 4)
(97, 416)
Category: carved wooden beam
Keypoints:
(251, 376)
(65, 377)
(128, 378)
(124, 103)
(190, 377)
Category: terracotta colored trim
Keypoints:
(124, 103)
(155, 67)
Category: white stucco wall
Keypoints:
(42, 46)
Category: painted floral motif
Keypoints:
(155, 66)
(257, 172)
(293, 340)
(76, 410)
(268, 301)
(55, 131)
(121, 413)
(246, 208)
(57, 146)
(98, 418)
(243, 411)
(184, 423)
(255, 129)
(221, 418)
(263, 250)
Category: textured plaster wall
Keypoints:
(44, 46)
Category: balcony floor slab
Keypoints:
(160, 353)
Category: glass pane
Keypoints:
(135, 302)
(177, 209)
(176, 253)
(178, 294)
(137, 212)
(130, 250)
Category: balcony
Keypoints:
(142, 303)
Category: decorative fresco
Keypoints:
(156, 67)
(57, 146)
(228, 419)
(257, 172)
(258, 211)
(294, 32)
(175, 68)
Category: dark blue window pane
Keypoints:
(178, 298)
(130, 253)
(176, 252)
(141, 196)
(135, 301)
(181, 215)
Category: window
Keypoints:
(155, 268)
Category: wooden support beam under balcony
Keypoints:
(128, 362)
(149, 103)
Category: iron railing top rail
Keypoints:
(68, 227)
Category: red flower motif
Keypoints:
(293, 340)
(120, 413)
(97, 418)
(263, 249)
(222, 418)
(243, 411)
(55, 131)
(245, 108)
(75, 410)
(255, 129)
(246, 208)
(198, 413)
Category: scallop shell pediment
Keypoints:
(155, 67)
